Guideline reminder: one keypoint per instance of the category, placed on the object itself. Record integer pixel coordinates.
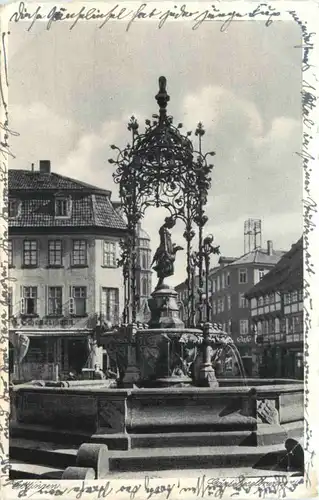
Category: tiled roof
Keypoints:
(91, 206)
(104, 210)
(286, 275)
(259, 256)
(27, 180)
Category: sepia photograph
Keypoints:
(155, 249)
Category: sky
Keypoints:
(71, 94)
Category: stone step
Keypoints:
(178, 439)
(22, 470)
(196, 457)
(43, 452)
(46, 433)
(34, 459)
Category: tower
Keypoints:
(143, 273)
(252, 234)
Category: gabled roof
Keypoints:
(26, 180)
(286, 275)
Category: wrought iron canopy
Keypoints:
(162, 165)
(161, 168)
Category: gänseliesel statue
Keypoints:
(165, 254)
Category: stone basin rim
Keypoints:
(239, 390)
(181, 331)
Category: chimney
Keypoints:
(32, 167)
(270, 249)
(45, 166)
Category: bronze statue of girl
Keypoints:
(165, 254)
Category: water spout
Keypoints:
(239, 361)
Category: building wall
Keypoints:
(230, 286)
(278, 319)
(107, 276)
(43, 276)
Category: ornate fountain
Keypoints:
(161, 168)
(167, 393)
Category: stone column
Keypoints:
(207, 377)
(132, 373)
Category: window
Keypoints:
(218, 283)
(260, 301)
(214, 308)
(110, 305)
(243, 326)
(62, 207)
(271, 298)
(300, 295)
(29, 300)
(229, 326)
(144, 260)
(79, 253)
(145, 287)
(243, 302)
(223, 280)
(242, 275)
(14, 206)
(143, 242)
(227, 279)
(287, 298)
(214, 283)
(30, 253)
(55, 301)
(10, 302)
(261, 273)
(229, 302)
(10, 253)
(294, 296)
(109, 254)
(77, 304)
(220, 305)
(55, 253)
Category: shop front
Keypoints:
(51, 355)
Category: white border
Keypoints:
(306, 14)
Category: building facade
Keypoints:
(64, 242)
(276, 308)
(230, 280)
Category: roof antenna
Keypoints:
(32, 167)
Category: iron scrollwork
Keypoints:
(161, 168)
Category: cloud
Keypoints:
(256, 174)
(43, 134)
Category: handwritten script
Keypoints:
(143, 12)
(152, 488)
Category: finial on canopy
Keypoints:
(162, 97)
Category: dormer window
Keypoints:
(14, 207)
(62, 207)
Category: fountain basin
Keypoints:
(160, 356)
(277, 407)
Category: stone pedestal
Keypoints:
(164, 309)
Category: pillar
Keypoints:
(132, 373)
